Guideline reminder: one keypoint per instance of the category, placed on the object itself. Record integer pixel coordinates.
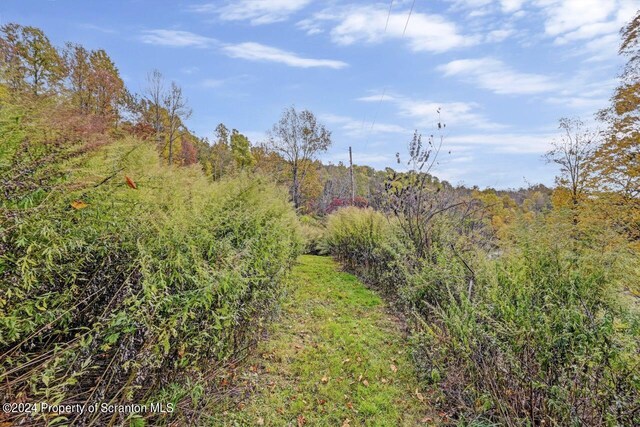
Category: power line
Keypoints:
(386, 25)
(388, 16)
(375, 116)
(408, 17)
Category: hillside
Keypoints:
(152, 276)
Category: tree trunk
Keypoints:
(295, 190)
(170, 150)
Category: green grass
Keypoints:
(336, 357)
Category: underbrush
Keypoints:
(312, 231)
(124, 281)
(531, 334)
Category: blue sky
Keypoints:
(501, 71)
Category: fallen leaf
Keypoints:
(260, 421)
(394, 368)
(384, 380)
(419, 396)
(366, 383)
(130, 183)
(322, 402)
(280, 411)
(346, 423)
(324, 379)
(346, 361)
(241, 405)
(349, 405)
(426, 420)
(301, 420)
(78, 204)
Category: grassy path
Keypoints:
(334, 358)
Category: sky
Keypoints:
(501, 72)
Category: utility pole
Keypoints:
(353, 189)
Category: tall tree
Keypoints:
(30, 58)
(241, 150)
(298, 138)
(573, 151)
(153, 95)
(618, 160)
(105, 85)
(76, 59)
(221, 158)
(177, 110)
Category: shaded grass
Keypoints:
(336, 357)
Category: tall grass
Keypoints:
(366, 242)
(136, 294)
(535, 336)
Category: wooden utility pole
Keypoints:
(353, 189)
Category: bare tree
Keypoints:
(417, 198)
(177, 110)
(154, 94)
(298, 138)
(573, 151)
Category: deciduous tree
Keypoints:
(573, 151)
(29, 59)
(298, 137)
(241, 150)
(177, 110)
(617, 161)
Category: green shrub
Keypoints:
(366, 242)
(533, 336)
(136, 293)
(313, 233)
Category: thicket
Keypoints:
(126, 281)
(528, 332)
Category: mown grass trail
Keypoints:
(335, 357)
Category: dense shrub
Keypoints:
(365, 241)
(312, 233)
(535, 336)
(128, 281)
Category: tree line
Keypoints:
(599, 165)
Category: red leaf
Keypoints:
(130, 183)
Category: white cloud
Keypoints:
(212, 83)
(99, 28)
(564, 16)
(175, 38)
(362, 128)
(257, 12)
(594, 22)
(425, 112)
(496, 76)
(496, 36)
(530, 143)
(485, 6)
(259, 52)
(189, 70)
(580, 22)
(511, 6)
(368, 24)
(249, 50)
